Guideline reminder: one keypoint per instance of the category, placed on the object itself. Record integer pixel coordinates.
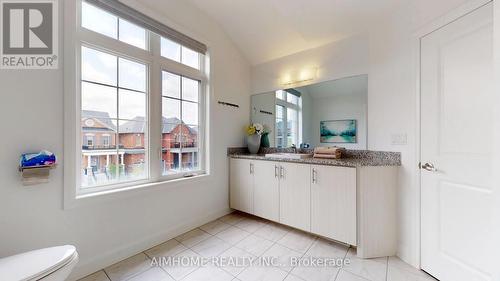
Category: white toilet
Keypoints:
(49, 264)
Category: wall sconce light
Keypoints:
(295, 77)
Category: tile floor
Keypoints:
(238, 235)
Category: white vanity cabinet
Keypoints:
(266, 190)
(275, 191)
(241, 183)
(333, 202)
(353, 205)
(295, 195)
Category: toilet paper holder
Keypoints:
(35, 167)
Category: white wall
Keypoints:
(32, 114)
(388, 54)
(496, 148)
(392, 110)
(345, 58)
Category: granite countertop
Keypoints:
(350, 158)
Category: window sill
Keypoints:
(132, 191)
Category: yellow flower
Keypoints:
(250, 130)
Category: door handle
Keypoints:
(428, 167)
(275, 171)
(282, 172)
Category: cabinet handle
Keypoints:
(314, 176)
(251, 168)
(282, 172)
(275, 171)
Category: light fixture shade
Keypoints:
(298, 76)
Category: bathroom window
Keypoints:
(288, 118)
(280, 94)
(292, 127)
(293, 99)
(105, 23)
(180, 119)
(121, 107)
(177, 52)
(114, 94)
(280, 126)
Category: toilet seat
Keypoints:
(36, 264)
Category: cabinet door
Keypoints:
(333, 202)
(266, 190)
(295, 195)
(241, 185)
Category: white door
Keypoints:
(241, 185)
(333, 203)
(266, 200)
(456, 134)
(295, 195)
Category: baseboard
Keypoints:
(407, 256)
(103, 260)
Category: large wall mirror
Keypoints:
(331, 113)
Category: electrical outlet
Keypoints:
(399, 139)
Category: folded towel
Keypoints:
(328, 156)
(328, 150)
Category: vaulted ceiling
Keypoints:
(267, 29)
(264, 30)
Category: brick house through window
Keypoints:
(101, 154)
(179, 146)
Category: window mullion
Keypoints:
(203, 123)
(155, 111)
(285, 126)
(117, 160)
(182, 123)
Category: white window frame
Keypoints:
(288, 105)
(75, 37)
(202, 101)
(276, 137)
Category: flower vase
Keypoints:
(253, 142)
(264, 140)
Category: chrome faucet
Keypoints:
(294, 147)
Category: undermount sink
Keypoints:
(289, 155)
